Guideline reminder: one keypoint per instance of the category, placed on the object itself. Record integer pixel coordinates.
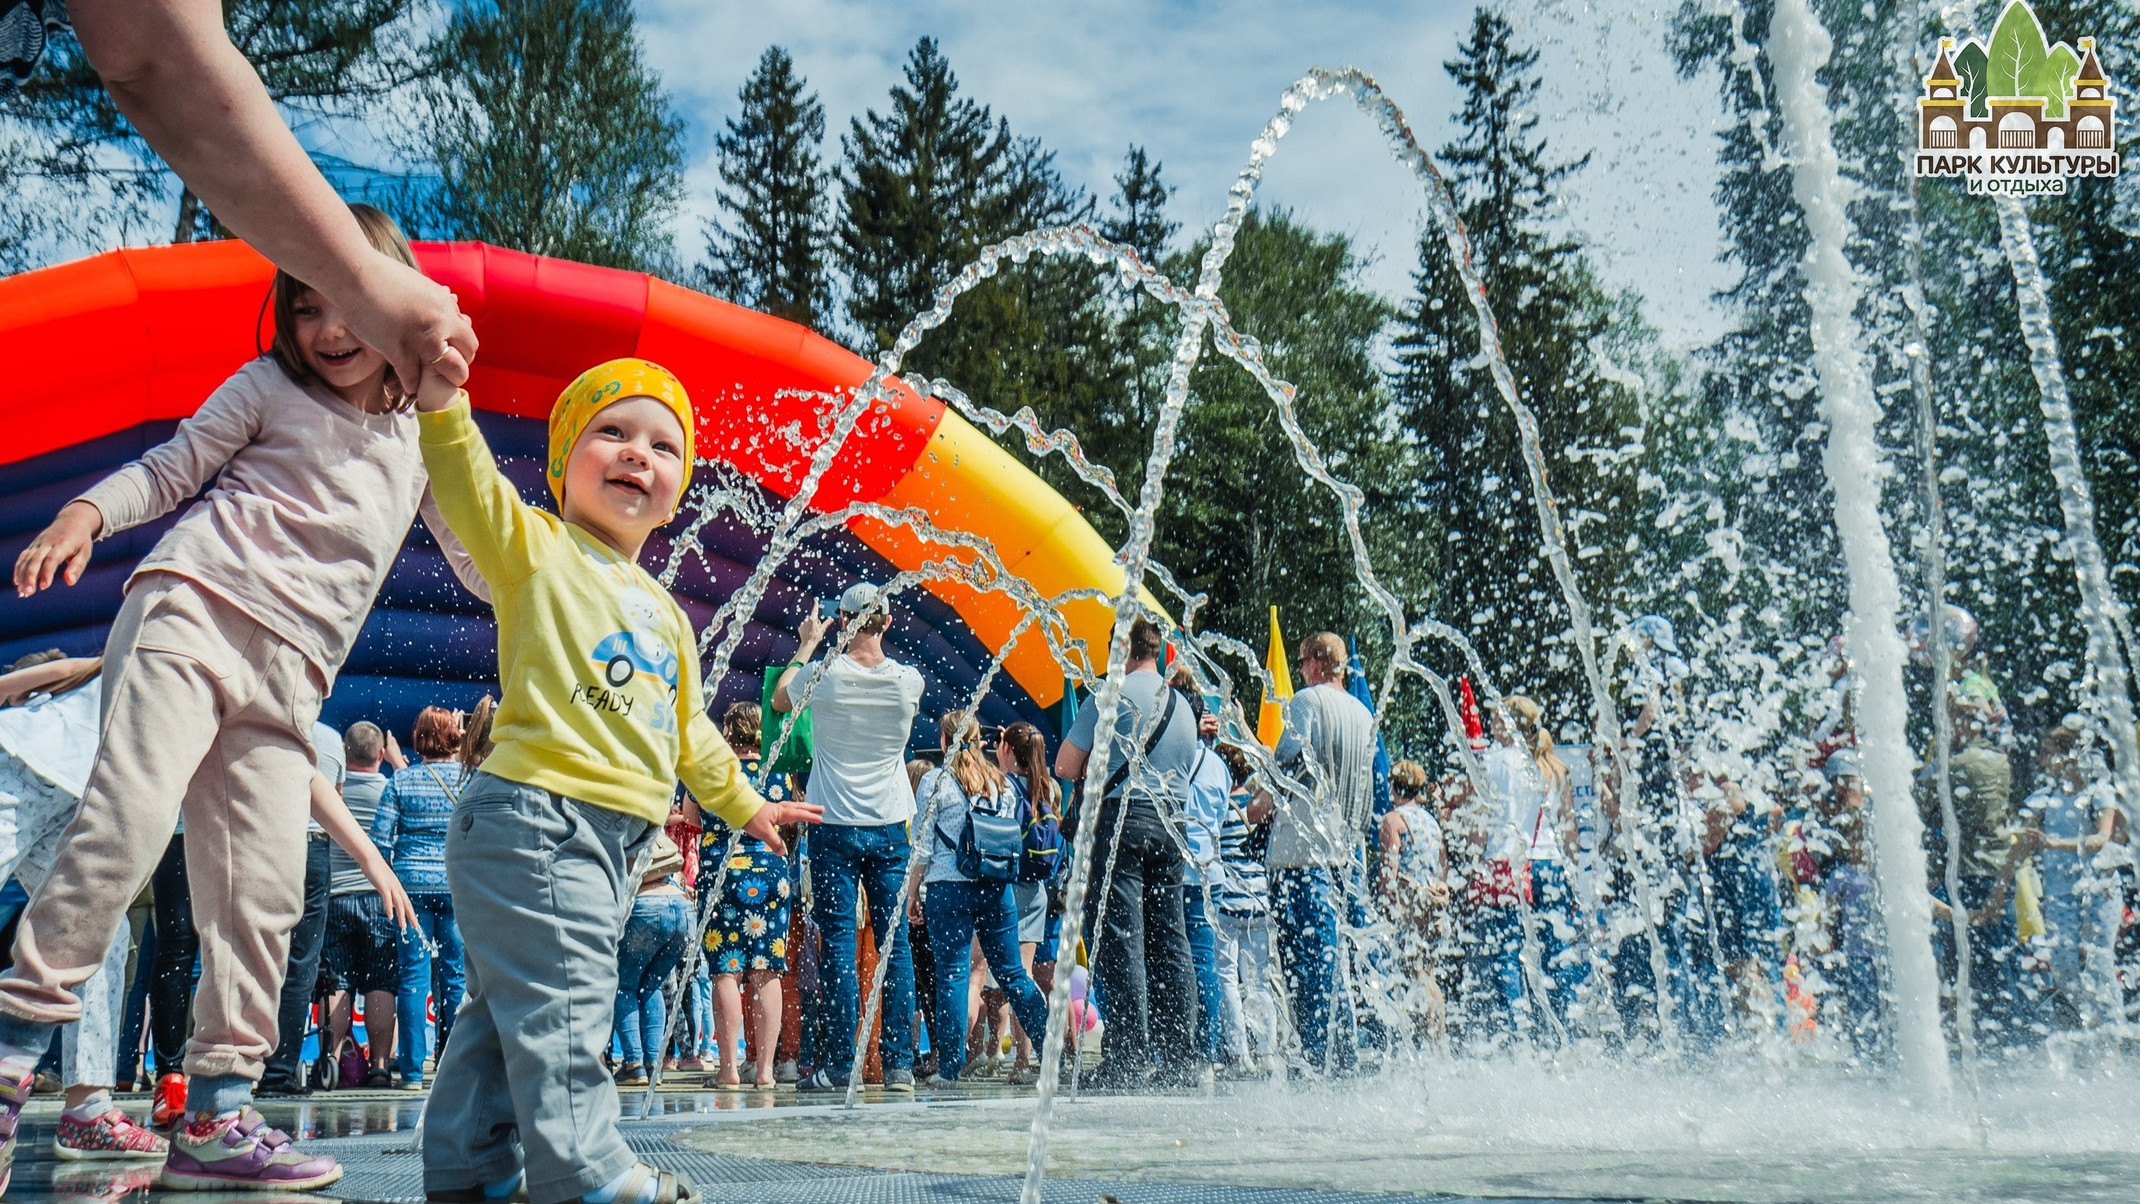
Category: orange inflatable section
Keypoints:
(104, 344)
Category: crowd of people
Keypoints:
(1249, 912)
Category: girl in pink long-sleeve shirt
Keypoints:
(232, 631)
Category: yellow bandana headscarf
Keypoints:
(605, 385)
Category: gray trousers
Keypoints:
(541, 885)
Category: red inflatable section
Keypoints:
(106, 343)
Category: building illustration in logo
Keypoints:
(2019, 114)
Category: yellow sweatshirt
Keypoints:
(598, 665)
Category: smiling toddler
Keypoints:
(601, 712)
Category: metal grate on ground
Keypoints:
(383, 1170)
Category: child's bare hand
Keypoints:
(60, 550)
(435, 391)
(767, 823)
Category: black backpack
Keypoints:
(1042, 855)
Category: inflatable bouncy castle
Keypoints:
(108, 354)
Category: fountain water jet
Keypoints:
(1799, 47)
(2101, 612)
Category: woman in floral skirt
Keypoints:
(747, 943)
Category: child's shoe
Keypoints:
(644, 1184)
(241, 1153)
(818, 1080)
(112, 1135)
(12, 1097)
(170, 1108)
(899, 1079)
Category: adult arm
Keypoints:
(1070, 762)
(173, 72)
(1392, 846)
(341, 827)
(386, 820)
(16, 687)
(811, 633)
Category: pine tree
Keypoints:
(1118, 431)
(1140, 221)
(771, 250)
(2004, 528)
(927, 184)
(550, 134)
(1493, 582)
(324, 59)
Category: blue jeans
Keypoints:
(873, 860)
(2003, 1016)
(434, 922)
(1493, 963)
(959, 912)
(700, 993)
(653, 943)
(1554, 920)
(1210, 992)
(1304, 906)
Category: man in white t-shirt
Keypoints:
(862, 705)
(1317, 828)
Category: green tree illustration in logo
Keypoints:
(2022, 63)
(1971, 66)
(2054, 80)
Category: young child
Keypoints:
(600, 713)
(232, 630)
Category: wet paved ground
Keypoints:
(373, 1134)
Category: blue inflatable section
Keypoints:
(429, 642)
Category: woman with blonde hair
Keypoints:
(969, 891)
(1536, 789)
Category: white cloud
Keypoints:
(1194, 81)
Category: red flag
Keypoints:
(1468, 707)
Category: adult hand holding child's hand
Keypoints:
(767, 823)
(414, 321)
(61, 549)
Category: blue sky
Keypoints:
(1193, 82)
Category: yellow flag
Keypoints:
(1270, 723)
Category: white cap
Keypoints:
(858, 598)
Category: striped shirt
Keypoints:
(1242, 889)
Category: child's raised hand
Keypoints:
(435, 391)
(60, 550)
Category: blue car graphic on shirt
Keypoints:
(623, 655)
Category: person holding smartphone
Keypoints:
(862, 707)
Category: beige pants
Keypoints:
(206, 709)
